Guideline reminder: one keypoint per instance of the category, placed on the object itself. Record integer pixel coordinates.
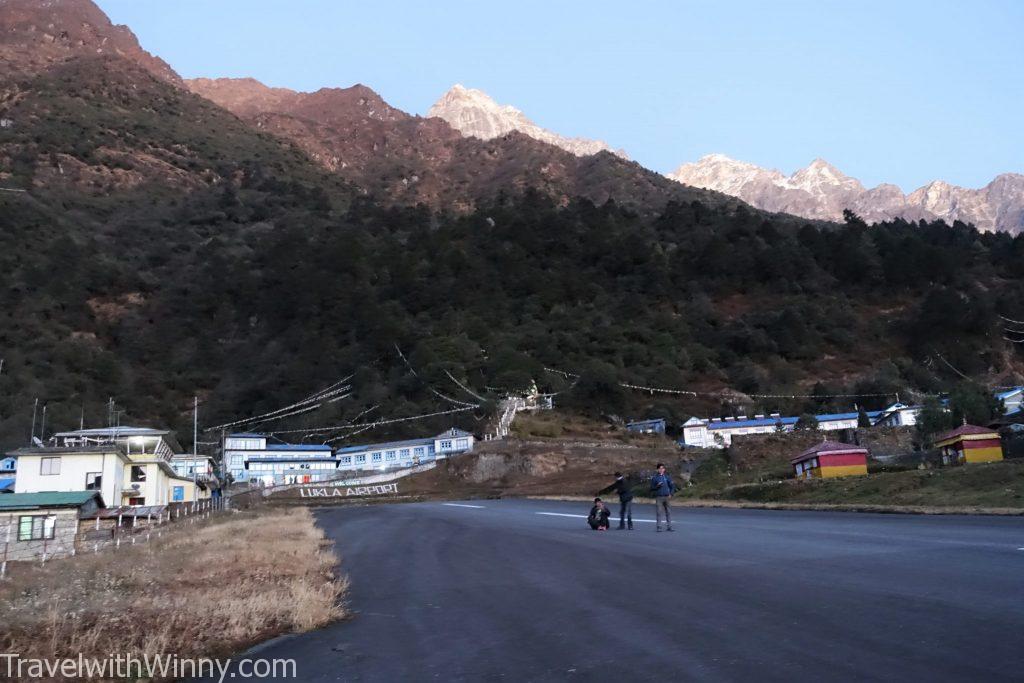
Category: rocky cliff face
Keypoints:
(473, 113)
(35, 34)
(398, 157)
(821, 191)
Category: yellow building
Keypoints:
(970, 444)
(831, 459)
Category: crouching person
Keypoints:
(598, 517)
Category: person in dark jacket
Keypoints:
(662, 488)
(598, 517)
(625, 500)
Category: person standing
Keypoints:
(662, 488)
(625, 500)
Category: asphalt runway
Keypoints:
(522, 590)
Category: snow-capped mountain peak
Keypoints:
(474, 113)
(822, 191)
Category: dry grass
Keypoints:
(204, 590)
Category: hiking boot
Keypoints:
(657, 528)
(630, 527)
(670, 529)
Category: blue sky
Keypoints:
(901, 92)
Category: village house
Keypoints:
(1012, 399)
(970, 444)
(656, 426)
(719, 432)
(897, 415)
(8, 465)
(126, 465)
(43, 525)
(831, 459)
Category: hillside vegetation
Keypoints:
(165, 249)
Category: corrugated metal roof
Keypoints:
(1009, 392)
(298, 447)
(115, 431)
(129, 511)
(966, 430)
(829, 447)
(28, 501)
(6, 484)
(769, 421)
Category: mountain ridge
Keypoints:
(821, 191)
(474, 113)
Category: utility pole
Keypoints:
(34, 407)
(195, 442)
(42, 430)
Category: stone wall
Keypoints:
(61, 545)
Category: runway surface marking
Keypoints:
(564, 514)
(462, 505)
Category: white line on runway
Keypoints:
(563, 514)
(461, 505)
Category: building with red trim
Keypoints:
(970, 444)
(831, 459)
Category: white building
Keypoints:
(897, 415)
(718, 432)
(1012, 399)
(127, 465)
(249, 457)
(380, 456)
(8, 465)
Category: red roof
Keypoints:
(829, 447)
(965, 430)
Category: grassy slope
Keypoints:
(170, 596)
(997, 485)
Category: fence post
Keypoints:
(7, 542)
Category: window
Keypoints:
(138, 473)
(360, 458)
(93, 481)
(392, 455)
(36, 527)
(462, 444)
(446, 444)
(419, 450)
(140, 500)
(347, 460)
(49, 466)
(178, 494)
(376, 457)
(404, 454)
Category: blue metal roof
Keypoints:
(763, 422)
(298, 447)
(770, 421)
(1008, 393)
(251, 435)
(652, 421)
(6, 484)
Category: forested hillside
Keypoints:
(155, 247)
